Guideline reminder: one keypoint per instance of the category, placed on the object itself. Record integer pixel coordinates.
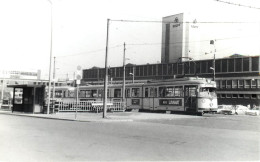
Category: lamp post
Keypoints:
(124, 78)
(106, 75)
(49, 87)
(53, 90)
(133, 74)
(214, 60)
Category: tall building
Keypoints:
(180, 38)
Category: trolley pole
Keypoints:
(124, 78)
(106, 75)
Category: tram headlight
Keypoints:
(203, 101)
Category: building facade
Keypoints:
(180, 37)
(238, 78)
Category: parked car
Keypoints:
(224, 108)
(236, 109)
(255, 111)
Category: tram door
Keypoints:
(190, 98)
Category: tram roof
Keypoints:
(177, 81)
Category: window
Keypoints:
(153, 92)
(58, 94)
(135, 92)
(71, 94)
(234, 84)
(223, 84)
(162, 91)
(234, 96)
(223, 95)
(146, 92)
(190, 91)
(88, 93)
(228, 95)
(117, 93)
(240, 95)
(247, 95)
(100, 92)
(127, 92)
(229, 82)
(178, 92)
(82, 93)
(247, 83)
(240, 83)
(253, 96)
(253, 83)
(169, 92)
(218, 84)
(18, 96)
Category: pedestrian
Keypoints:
(248, 106)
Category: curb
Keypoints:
(67, 119)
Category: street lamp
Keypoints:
(214, 60)
(124, 77)
(133, 74)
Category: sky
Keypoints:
(79, 29)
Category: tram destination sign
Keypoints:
(171, 102)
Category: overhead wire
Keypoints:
(237, 4)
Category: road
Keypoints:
(208, 138)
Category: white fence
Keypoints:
(85, 106)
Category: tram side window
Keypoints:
(192, 91)
(153, 92)
(100, 92)
(58, 94)
(117, 93)
(169, 92)
(135, 92)
(71, 94)
(94, 93)
(178, 92)
(91, 93)
(82, 94)
(162, 91)
(88, 93)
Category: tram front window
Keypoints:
(208, 91)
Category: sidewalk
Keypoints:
(98, 117)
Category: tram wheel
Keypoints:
(200, 113)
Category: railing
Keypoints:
(85, 106)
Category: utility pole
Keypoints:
(124, 77)
(106, 75)
(49, 87)
(53, 90)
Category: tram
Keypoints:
(193, 95)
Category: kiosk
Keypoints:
(28, 98)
